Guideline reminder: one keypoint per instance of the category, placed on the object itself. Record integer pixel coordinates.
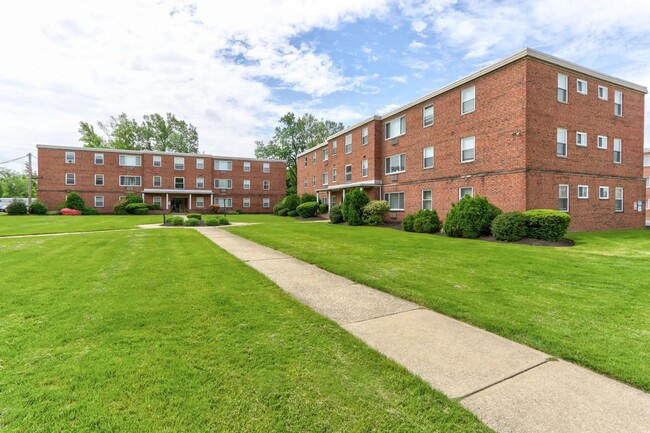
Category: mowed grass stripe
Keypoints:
(12, 225)
(161, 331)
(589, 304)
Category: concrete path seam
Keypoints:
(385, 315)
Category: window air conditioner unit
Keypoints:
(223, 191)
(393, 178)
(393, 215)
(394, 141)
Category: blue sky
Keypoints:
(234, 70)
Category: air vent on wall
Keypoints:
(393, 178)
(394, 141)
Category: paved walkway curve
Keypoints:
(510, 387)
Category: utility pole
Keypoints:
(29, 179)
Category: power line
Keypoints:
(12, 160)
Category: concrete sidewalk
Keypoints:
(510, 387)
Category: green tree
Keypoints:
(14, 183)
(294, 135)
(155, 132)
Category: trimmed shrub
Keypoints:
(219, 220)
(547, 224)
(192, 222)
(74, 201)
(141, 211)
(17, 207)
(509, 226)
(279, 207)
(374, 212)
(152, 206)
(136, 208)
(292, 201)
(53, 212)
(307, 210)
(292, 213)
(422, 221)
(353, 205)
(120, 207)
(470, 218)
(214, 208)
(194, 215)
(175, 221)
(307, 198)
(90, 211)
(323, 208)
(336, 217)
(283, 212)
(133, 198)
(37, 208)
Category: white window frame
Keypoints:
(325, 153)
(348, 173)
(137, 159)
(581, 139)
(200, 183)
(618, 103)
(305, 161)
(247, 184)
(157, 161)
(425, 157)
(266, 202)
(313, 181)
(334, 173)
(460, 192)
(219, 162)
(388, 195)
(70, 158)
(153, 181)
(364, 168)
(200, 203)
(325, 178)
(218, 183)
(137, 179)
(646, 160)
(98, 201)
(429, 200)
(583, 192)
(618, 151)
(67, 179)
(266, 185)
(266, 167)
(364, 135)
(334, 147)
(427, 120)
(200, 163)
(647, 181)
(563, 195)
(618, 201)
(176, 182)
(562, 134)
(398, 124)
(304, 183)
(179, 163)
(156, 199)
(100, 157)
(603, 192)
(313, 158)
(563, 86)
(603, 93)
(224, 202)
(467, 144)
(582, 86)
(246, 202)
(401, 164)
(348, 144)
(468, 100)
(601, 142)
(99, 176)
(247, 166)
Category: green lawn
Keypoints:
(162, 331)
(589, 304)
(37, 224)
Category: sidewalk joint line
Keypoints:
(417, 307)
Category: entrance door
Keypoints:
(179, 204)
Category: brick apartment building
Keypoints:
(531, 131)
(646, 175)
(179, 182)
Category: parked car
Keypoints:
(4, 202)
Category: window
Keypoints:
(348, 173)
(395, 164)
(395, 127)
(468, 100)
(325, 153)
(200, 183)
(157, 200)
(581, 86)
(603, 93)
(247, 166)
(427, 157)
(325, 178)
(465, 190)
(99, 159)
(306, 161)
(223, 202)
(364, 135)
(69, 158)
(647, 182)
(222, 165)
(157, 181)
(313, 158)
(333, 175)
(647, 204)
(563, 202)
(69, 179)
(427, 199)
(223, 183)
(313, 181)
(200, 202)
(179, 183)
(200, 164)
(179, 163)
(646, 160)
(364, 168)
(130, 181)
(334, 146)
(467, 149)
(581, 139)
(348, 143)
(602, 142)
(427, 116)
(247, 202)
(618, 199)
(561, 142)
(266, 202)
(562, 88)
(266, 185)
(618, 103)
(157, 161)
(266, 167)
(99, 180)
(583, 191)
(395, 199)
(99, 201)
(305, 183)
(247, 184)
(603, 193)
(618, 145)
(131, 160)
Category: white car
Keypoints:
(4, 202)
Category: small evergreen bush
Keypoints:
(279, 207)
(308, 209)
(16, 207)
(323, 208)
(192, 222)
(509, 226)
(136, 208)
(291, 202)
(38, 208)
(194, 215)
(214, 208)
(470, 218)
(219, 220)
(90, 211)
(175, 221)
(74, 201)
(336, 217)
(353, 205)
(307, 198)
(282, 212)
(422, 221)
(292, 213)
(547, 224)
(140, 211)
(374, 212)
(152, 206)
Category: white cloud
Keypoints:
(418, 26)
(399, 78)
(388, 108)
(416, 45)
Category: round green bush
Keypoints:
(292, 213)
(308, 209)
(423, 221)
(74, 201)
(353, 205)
(136, 208)
(219, 220)
(194, 215)
(175, 221)
(307, 198)
(192, 222)
(547, 224)
(141, 211)
(283, 212)
(279, 207)
(291, 202)
(470, 218)
(90, 211)
(336, 217)
(17, 207)
(374, 212)
(323, 208)
(407, 222)
(38, 208)
(509, 226)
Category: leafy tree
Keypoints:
(154, 133)
(294, 135)
(14, 183)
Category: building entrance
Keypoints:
(178, 204)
